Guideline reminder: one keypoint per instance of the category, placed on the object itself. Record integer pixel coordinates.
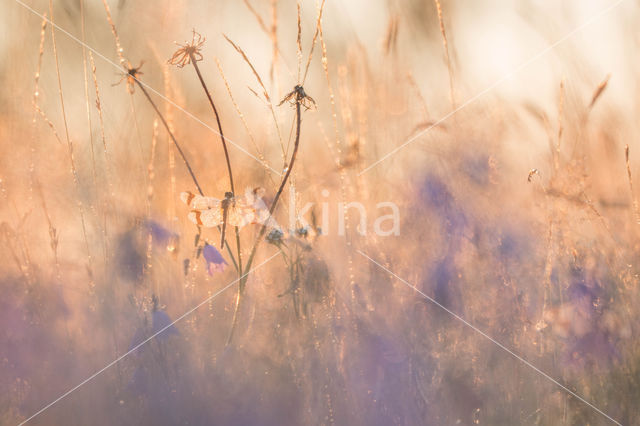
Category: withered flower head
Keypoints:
(298, 95)
(188, 51)
(131, 75)
(275, 237)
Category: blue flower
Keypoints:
(161, 322)
(215, 261)
(139, 382)
(477, 168)
(130, 257)
(162, 237)
(434, 194)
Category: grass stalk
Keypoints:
(226, 155)
(263, 229)
(215, 112)
(177, 145)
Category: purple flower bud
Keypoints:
(215, 261)
(161, 323)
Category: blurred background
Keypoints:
(504, 132)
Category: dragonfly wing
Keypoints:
(253, 198)
(199, 202)
(253, 208)
(260, 216)
(207, 218)
(237, 217)
(251, 195)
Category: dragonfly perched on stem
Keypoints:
(235, 211)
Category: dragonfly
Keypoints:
(235, 211)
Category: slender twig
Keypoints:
(194, 62)
(132, 74)
(74, 170)
(239, 264)
(215, 111)
(445, 45)
(313, 42)
(634, 200)
(265, 93)
(244, 122)
(173, 138)
(299, 99)
(190, 53)
(293, 159)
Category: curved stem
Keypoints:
(184, 158)
(263, 229)
(226, 156)
(239, 266)
(215, 112)
(173, 138)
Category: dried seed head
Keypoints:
(298, 95)
(131, 75)
(188, 52)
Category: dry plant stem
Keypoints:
(263, 229)
(107, 171)
(74, 170)
(445, 44)
(244, 122)
(264, 90)
(239, 264)
(173, 138)
(313, 42)
(634, 200)
(86, 95)
(215, 111)
(184, 158)
(263, 26)
(299, 41)
(274, 42)
(226, 155)
(556, 155)
(34, 102)
(114, 32)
